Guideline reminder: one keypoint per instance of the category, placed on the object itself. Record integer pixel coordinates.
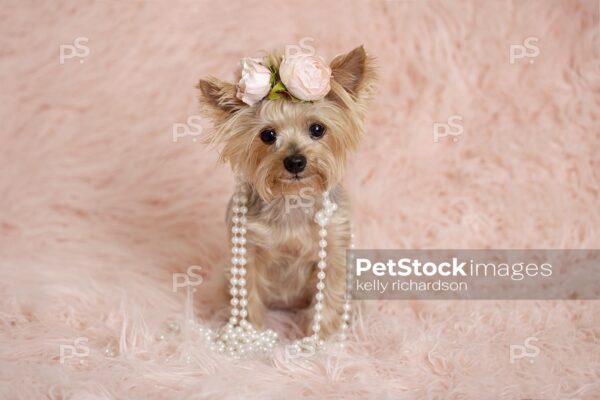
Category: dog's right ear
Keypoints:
(218, 99)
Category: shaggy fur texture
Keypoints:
(98, 206)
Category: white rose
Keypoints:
(255, 82)
(306, 77)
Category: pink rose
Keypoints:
(306, 77)
(255, 82)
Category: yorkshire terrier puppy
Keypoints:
(280, 146)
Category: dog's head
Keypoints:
(282, 145)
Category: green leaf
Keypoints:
(279, 87)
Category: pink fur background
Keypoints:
(99, 207)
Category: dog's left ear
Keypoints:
(355, 72)
(218, 99)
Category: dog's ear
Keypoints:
(355, 72)
(218, 99)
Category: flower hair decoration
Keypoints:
(300, 77)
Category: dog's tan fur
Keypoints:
(282, 242)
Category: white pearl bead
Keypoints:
(322, 264)
(320, 286)
(242, 261)
(322, 254)
(316, 328)
(319, 296)
(322, 243)
(318, 307)
(321, 275)
(242, 271)
(322, 232)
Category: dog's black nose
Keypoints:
(295, 163)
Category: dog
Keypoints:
(282, 147)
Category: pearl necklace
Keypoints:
(239, 338)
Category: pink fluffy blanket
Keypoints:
(99, 207)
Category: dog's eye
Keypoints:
(268, 136)
(316, 131)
